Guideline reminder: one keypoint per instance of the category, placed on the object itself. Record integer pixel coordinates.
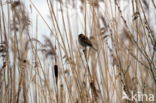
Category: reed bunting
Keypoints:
(84, 41)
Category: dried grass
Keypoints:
(125, 60)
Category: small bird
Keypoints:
(154, 46)
(84, 41)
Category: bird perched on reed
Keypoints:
(154, 46)
(84, 41)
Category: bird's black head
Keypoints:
(80, 35)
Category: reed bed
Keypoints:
(54, 68)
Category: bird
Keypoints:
(154, 46)
(84, 41)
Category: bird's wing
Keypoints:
(87, 41)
